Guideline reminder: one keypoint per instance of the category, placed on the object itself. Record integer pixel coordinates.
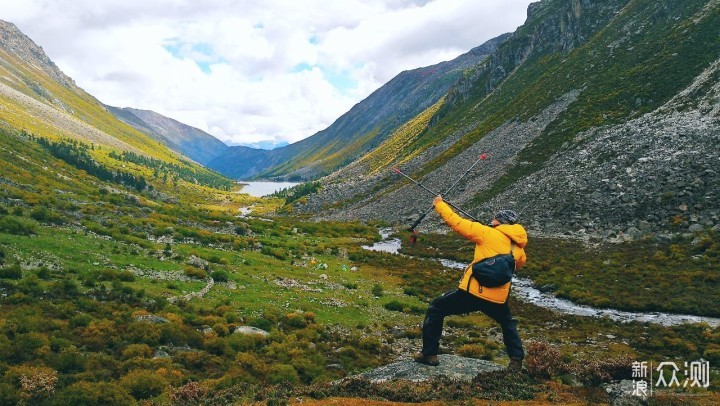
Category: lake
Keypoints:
(259, 189)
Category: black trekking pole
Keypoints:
(397, 170)
(417, 222)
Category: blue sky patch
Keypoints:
(342, 80)
(301, 67)
(201, 53)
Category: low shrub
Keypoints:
(190, 393)
(281, 373)
(712, 355)
(474, 351)
(192, 272)
(505, 385)
(143, 384)
(544, 361)
(17, 226)
(94, 393)
(220, 276)
(44, 215)
(597, 371)
(35, 383)
(11, 272)
(397, 306)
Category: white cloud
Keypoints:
(248, 71)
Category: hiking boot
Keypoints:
(515, 364)
(431, 360)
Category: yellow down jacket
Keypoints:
(489, 241)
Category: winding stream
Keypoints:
(524, 290)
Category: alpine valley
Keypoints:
(133, 270)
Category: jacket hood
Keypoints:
(515, 232)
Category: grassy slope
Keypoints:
(401, 145)
(88, 119)
(71, 308)
(81, 106)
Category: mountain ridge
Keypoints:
(572, 70)
(18, 44)
(38, 101)
(357, 131)
(35, 94)
(190, 141)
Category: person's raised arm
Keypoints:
(471, 230)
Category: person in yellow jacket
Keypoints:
(502, 236)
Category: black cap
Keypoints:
(507, 216)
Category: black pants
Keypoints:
(460, 302)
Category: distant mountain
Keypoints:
(190, 141)
(37, 100)
(362, 128)
(241, 162)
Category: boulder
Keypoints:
(621, 394)
(161, 354)
(198, 262)
(451, 366)
(251, 330)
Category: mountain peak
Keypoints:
(16, 44)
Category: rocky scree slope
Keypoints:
(657, 174)
(637, 167)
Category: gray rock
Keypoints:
(151, 318)
(548, 288)
(634, 232)
(663, 238)
(198, 262)
(161, 354)
(250, 330)
(621, 394)
(694, 228)
(451, 366)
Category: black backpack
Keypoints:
(495, 271)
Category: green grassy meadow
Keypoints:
(94, 307)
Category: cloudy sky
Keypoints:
(253, 72)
